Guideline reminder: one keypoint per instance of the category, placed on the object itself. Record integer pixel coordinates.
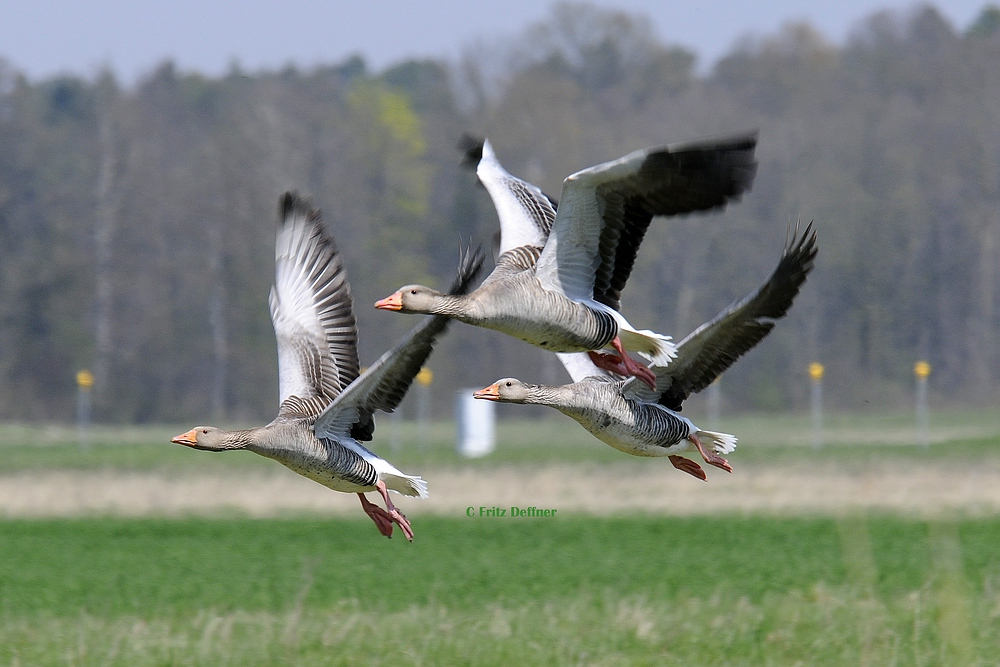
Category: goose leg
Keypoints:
(623, 364)
(710, 458)
(382, 519)
(394, 513)
(688, 466)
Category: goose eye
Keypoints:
(508, 384)
(413, 291)
(205, 431)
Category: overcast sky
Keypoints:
(46, 37)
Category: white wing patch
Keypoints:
(311, 311)
(525, 213)
(579, 365)
(298, 348)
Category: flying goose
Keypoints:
(558, 280)
(645, 422)
(325, 406)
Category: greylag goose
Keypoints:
(645, 422)
(325, 406)
(558, 279)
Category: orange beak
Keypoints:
(490, 393)
(391, 302)
(190, 438)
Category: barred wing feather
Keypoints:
(312, 312)
(716, 345)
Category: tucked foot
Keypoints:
(622, 364)
(609, 362)
(634, 367)
(395, 514)
(688, 466)
(382, 519)
(711, 458)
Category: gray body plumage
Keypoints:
(329, 461)
(631, 426)
(511, 299)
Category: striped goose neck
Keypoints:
(556, 397)
(449, 304)
(245, 439)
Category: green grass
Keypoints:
(754, 590)
(649, 590)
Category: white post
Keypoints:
(476, 425)
(816, 403)
(922, 371)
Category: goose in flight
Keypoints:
(559, 276)
(635, 419)
(325, 406)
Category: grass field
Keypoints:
(848, 588)
(649, 590)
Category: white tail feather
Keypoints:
(406, 485)
(722, 443)
(650, 345)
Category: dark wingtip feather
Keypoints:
(472, 149)
(292, 204)
(470, 264)
(804, 248)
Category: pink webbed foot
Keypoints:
(609, 362)
(395, 514)
(688, 466)
(382, 519)
(622, 364)
(711, 458)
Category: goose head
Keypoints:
(507, 390)
(413, 299)
(207, 438)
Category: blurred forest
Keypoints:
(137, 223)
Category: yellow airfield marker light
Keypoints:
(425, 377)
(816, 371)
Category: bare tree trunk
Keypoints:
(217, 318)
(982, 355)
(105, 227)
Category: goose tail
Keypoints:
(722, 443)
(653, 347)
(407, 485)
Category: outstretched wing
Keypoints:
(312, 312)
(386, 382)
(605, 210)
(526, 213)
(716, 345)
